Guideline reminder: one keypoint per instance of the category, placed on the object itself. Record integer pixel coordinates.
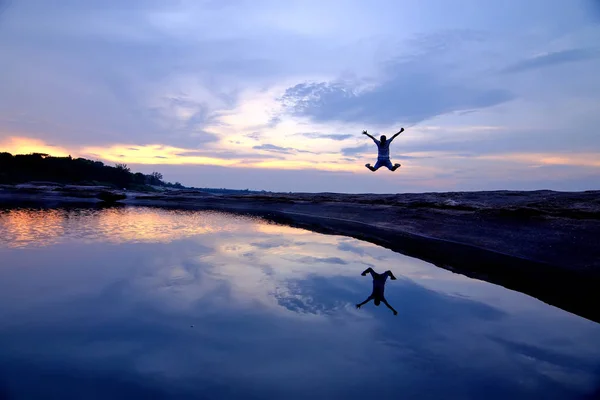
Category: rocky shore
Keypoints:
(542, 243)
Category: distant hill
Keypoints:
(22, 168)
(40, 167)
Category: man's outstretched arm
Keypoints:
(390, 307)
(366, 133)
(396, 134)
(359, 305)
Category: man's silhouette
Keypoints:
(378, 288)
(383, 152)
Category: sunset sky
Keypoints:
(273, 94)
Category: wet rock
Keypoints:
(110, 197)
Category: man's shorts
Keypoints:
(384, 163)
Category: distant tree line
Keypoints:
(22, 168)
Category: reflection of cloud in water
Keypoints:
(265, 314)
(28, 227)
(271, 243)
(281, 253)
(325, 260)
(271, 228)
(561, 369)
(315, 295)
(345, 246)
(362, 249)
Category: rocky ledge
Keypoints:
(542, 243)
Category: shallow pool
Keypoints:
(151, 303)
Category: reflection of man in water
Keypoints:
(378, 288)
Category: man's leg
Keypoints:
(359, 305)
(370, 271)
(389, 165)
(378, 165)
(388, 306)
(389, 273)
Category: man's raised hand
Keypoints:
(364, 133)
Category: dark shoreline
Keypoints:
(544, 244)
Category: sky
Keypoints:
(273, 95)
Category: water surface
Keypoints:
(150, 303)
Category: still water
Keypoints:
(149, 303)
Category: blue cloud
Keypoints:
(552, 59)
(279, 149)
(416, 90)
(272, 147)
(351, 151)
(326, 260)
(331, 136)
(225, 154)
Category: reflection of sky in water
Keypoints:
(103, 301)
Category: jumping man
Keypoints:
(378, 288)
(383, 152)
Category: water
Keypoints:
(148, 303)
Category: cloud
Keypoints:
(410, 98)
(539, 159)
(279, 149)
(226, 154)
(168, 155)
(519, 139)
(331, 136)
(552, 59)
(345, 246)
(272, 147)
(162, 154)
(253, 135)
(407, 157)
(271, 244)
(351, 151)
(273, 122)
(137, 70)
(413, 88)
(327, 260)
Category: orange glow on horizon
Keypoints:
(24, 145)
(155, 154)
(158, 154)
(578, 159)
(303, 165)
